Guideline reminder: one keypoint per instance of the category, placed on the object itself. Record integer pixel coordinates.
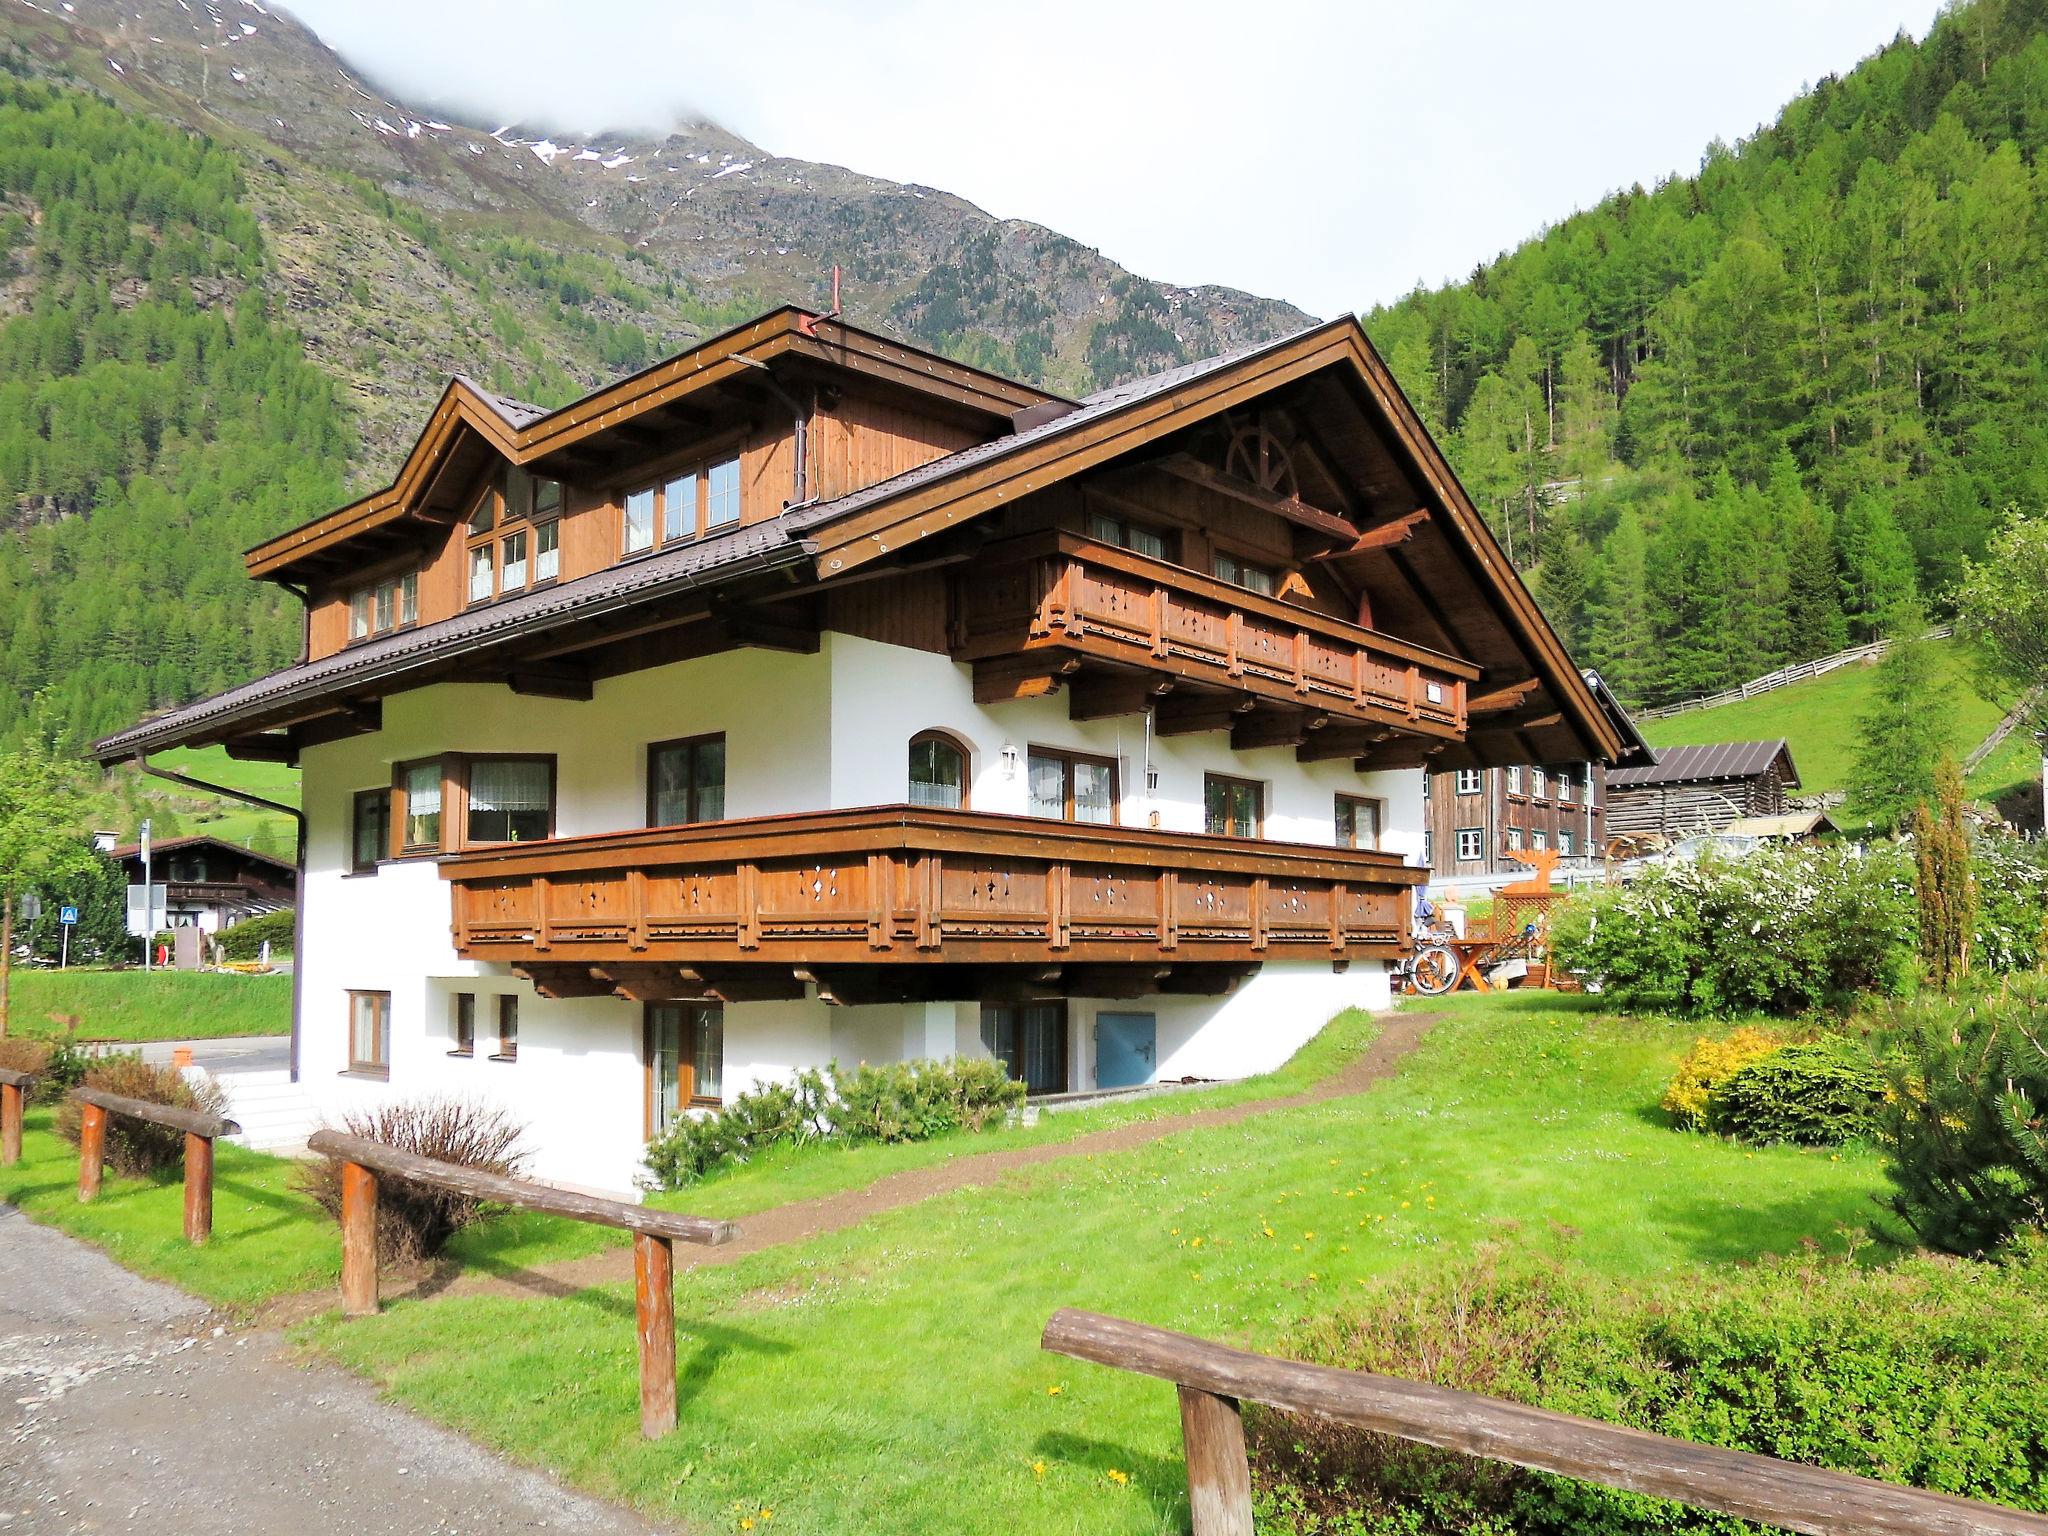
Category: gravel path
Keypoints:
(1400, 1033)
(128, 1406)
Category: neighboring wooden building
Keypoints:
(809, 695)
(1477, 818)
(212, 884)
(1689, 791)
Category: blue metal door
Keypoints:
(1126, 1049)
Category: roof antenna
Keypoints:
(808, 324)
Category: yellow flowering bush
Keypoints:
(1707, 1065)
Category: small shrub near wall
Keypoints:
(134, 1147)
(1931, 1372)
(1782, 931)
(245, 940)
(415, 1221)
(898, 1101)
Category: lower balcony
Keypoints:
(902, 903)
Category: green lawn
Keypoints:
(268, 1240)
(1819, 719)
(887, 1378)
(155, 1005)
(231, 820)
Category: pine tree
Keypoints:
(1622, 641)
(1562, 582)
(1946, 889)
(1900, 737)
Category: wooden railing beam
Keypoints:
(1748, 1486)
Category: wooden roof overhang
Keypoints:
(470, 428)
(1421, 550)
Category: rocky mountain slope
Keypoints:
(405, 247)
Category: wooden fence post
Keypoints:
(654, 1296)
(92, 1149)
(11, 1096)
(198, 1187)
(1219, 1476)
(358, 1240)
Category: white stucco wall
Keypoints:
(802, 733)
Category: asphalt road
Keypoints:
(126, 1405)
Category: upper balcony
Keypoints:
(898, 903)
(1123, 632)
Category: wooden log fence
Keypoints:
(201, 1130)
(15, 1089)
(1213, 1380)
(655, 1232)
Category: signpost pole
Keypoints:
(148, 901)
(67, 919)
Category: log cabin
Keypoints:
(1692, 791)
(809, 696)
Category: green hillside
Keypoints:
(1819, 718)
(1733, 420)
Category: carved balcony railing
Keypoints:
(901, 887)
(1059, 593)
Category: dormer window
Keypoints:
(515, 536)
(702, 499)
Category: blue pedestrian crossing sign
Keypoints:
(68, 916)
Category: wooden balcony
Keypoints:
(895, 903)
(1126, 632)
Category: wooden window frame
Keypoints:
(382, 799)
(1511, 777)
(686, 1061)
(507, 1009)
(697, 526)
(1478, 844)
(1169, 537)
(462, 762)
(1478, 781)
(1539, 783)
(1512, 839)
(1357, 803)
(1065, 1034)
(1565, 841)
(400, 848)
(1276, 574)
(455, 768)
(966, 763)
(400, 583)
(1236, 781)
(675, 743)
(462, 1023)
(1071, 758)
(370, 1068)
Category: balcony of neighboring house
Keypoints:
(904, 903)
(1122, 632)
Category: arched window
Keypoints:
(938, 771)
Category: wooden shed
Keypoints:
(1692, 790)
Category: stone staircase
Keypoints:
(275, 1113)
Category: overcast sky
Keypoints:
(1330, 154)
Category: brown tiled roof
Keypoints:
(1716, 760)
(634, 581)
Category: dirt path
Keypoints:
(1400, 1033)
(131, 1407)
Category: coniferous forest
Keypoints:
(1757, 414)
(155, 420)
(1744, 418)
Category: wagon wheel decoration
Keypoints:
(1255, 454)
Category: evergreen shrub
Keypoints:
(1931, 1372)
(245, 940)
(1817, 1095)
(1710, 1063)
